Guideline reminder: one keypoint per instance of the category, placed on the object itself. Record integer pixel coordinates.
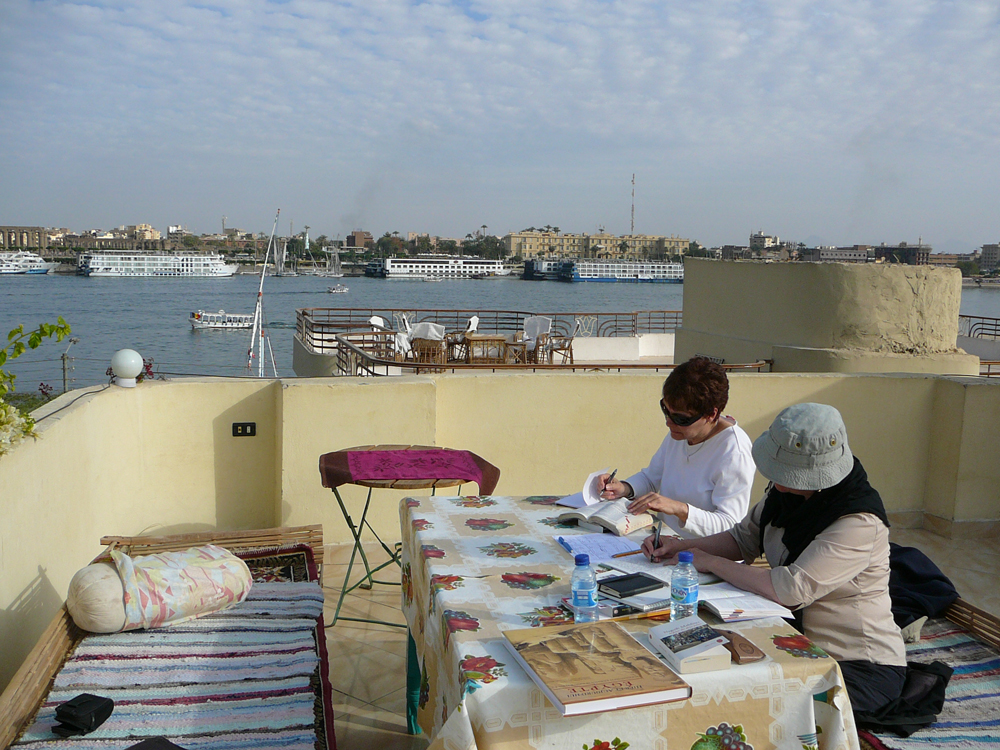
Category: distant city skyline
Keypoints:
(827, 123)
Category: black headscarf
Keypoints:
(803, 520)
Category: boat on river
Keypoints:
(23, 261)
(648, 271)
(220, 321)
(339, 289)
(181, 264)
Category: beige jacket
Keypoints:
(842, 580)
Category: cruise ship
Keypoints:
(622, 270)
(435, 267)
(179, 264)
(23, 261)
(542, 269)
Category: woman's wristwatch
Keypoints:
(631, 491)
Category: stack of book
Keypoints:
(689, 645)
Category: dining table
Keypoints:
(476, 566)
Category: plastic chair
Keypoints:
(536, 336)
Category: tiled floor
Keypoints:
(368, 662)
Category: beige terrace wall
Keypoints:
(161, 458)
(824, 317)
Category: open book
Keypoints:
(612, 516)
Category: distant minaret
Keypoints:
(632, 230)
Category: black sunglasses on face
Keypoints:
(678, 419)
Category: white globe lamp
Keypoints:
(126, 365)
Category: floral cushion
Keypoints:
(172, 587)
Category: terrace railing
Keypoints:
(979, 327)
(319, 327)
(370, 354)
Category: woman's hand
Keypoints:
(669, 547)
(704, 562)
(613, 489)
(652, 502)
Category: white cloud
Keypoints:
(434, 115)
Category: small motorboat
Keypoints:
(339, 289)
(220, 320)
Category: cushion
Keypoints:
(152, 591)
(96, 599)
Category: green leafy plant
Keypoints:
(19, 340)
(15, 425)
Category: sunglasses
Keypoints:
(678, 419)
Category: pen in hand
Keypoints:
(609, 480)
(656, 539)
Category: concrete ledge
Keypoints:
(805, 359)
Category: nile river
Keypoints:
(150, 315)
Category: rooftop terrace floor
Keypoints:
(368, 662)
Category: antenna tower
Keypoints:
(632, 230)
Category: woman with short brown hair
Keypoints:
(698, 482)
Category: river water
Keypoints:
(150, 315)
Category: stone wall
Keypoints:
(832, 317)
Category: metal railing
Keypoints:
(978, 327)
(371, 354)
(319, 327)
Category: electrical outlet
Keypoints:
(244, 429)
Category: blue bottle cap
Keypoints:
(583, 559)
(685, 556)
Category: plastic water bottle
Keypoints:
(584, 585)
(683, 587)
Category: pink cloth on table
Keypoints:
(420, 464)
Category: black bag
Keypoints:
(82, 714)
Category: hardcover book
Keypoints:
(689, 645)
(593, 667)
(612, 516)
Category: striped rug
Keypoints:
(253, 676)
(970, 718)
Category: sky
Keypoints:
(827, 122)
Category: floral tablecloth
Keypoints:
(476, 566)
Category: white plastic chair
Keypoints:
(473, 324)
(536, 335)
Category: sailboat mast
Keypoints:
(258, 313)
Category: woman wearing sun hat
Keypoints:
(824, 532)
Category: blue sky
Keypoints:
(824, 122)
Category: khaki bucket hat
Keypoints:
(805, 448)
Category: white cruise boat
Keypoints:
(178, 264)
(622, 270)
(435, 267)
(219, 321)
(24, 261)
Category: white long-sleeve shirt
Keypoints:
(713, 478)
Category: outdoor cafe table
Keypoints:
(473, 567)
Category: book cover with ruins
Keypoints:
(592, 667)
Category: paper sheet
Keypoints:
(599, 546)
(590, 494)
